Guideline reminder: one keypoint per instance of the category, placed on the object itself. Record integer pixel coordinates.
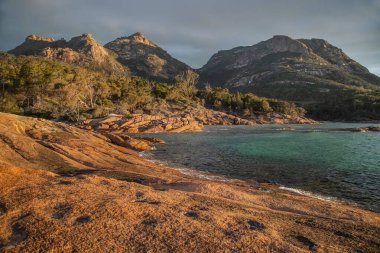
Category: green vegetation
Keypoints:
(44, 88)
(246, 104)
(323, 99)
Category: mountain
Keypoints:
(313, 73)
(145, 58)
(82, 50)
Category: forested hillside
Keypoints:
(47, 88)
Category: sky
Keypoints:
(193, 30)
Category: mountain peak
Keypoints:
(137, 35)
(137, 38)
(84, 38)
(281, 37)
(309, 71)
(34, 37)
(81, 50)
(144, 58)
(283, 43)
(87, 35)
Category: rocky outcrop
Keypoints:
(138, 123)
(144, 58)
(82, 50)
(360, 129)
(212, 117)
(134, 143)
(306, 71)
(182, 119)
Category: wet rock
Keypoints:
(65, 182)
(306, 242)
(254, 225)
(342, 234)
(147, 201)
(154, 140)
(83, 219)
(19, 234)
(61, 210)
(139, 194)
(359, 129)
(192, 214)
(149, 222)
(374, 128)
(3, 207)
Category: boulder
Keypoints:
(87, 121)
(132, 130)
(128, 142)
(153, 129)
(102, 126)
(110, 119)
(154, 140)
(374, 128)
(138, 144)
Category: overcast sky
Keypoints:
(193, 30)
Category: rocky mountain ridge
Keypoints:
(144, 58)
(313, 73)
(82, 50)
(282, 59)
(134, 55)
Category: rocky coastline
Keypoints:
(188, 120)
(68, 189)
(118, 128)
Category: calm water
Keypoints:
(344, 165)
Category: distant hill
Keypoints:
(146, 59)
(313, 73)
(82, 50)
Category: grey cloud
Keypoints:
(194, 30)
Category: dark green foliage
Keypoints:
(246, 104)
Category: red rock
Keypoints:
(153, 129)
(154, 140)
(132, 130)
(110, 119)
(103, 126)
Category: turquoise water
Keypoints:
(344, 165)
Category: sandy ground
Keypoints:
(63, 189)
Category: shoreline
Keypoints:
(64, 188)
(205, 175)
(202, 174)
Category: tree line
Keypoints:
(50, 89)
